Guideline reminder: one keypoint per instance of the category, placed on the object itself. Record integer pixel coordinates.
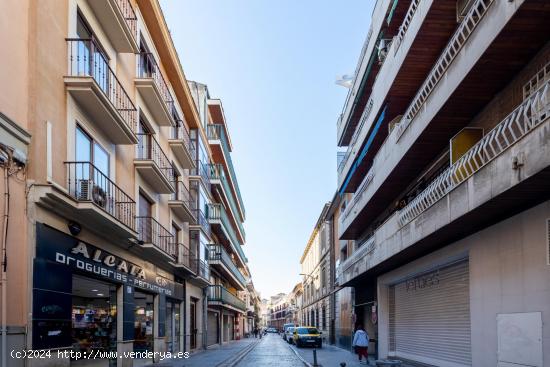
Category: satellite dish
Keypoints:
(345, 80)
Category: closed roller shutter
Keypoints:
(213, 329)
(231, 328)
(430, 317)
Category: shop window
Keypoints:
(144, 321)
(93, 316)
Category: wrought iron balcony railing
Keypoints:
(148, 68)
(129, 15)
(218, 293)
(149, 149)
(218, 253)
(87, 59)
(203, 270)
(186, 257)
(87, 183)
(180, 132)
(152, 232)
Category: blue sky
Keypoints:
(273, 64)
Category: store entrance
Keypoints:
(172, 326)
(93, 320)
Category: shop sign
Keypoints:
(63, 249)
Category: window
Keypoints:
(88, 150)
(324, 317)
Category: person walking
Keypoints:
(361, 344)
(255, 332)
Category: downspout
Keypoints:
(4, 265)
(204, 317)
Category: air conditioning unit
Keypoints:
(462, 8)
(84, 190)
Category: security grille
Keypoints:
(430, 317)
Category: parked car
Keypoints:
(307, 336)
(271, 330)
(285, 326)
(289, 333)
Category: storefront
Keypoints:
(423, 307)
(95, 301)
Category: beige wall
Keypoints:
(508, 274)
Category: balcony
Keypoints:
(505, 173)
(157, 238)
(181, 203)
(220, 222)
(202, 172)
(202, 277)
(180, 143)
(154, 90)
(448, 100)
(186, 259)
(153, 164)
(119, 22)
(219, 295)
(222, 153)
(94, 86)
(91, 198)
(218, 177)
(222, 260)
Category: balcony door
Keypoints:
(145, 224)
(91, 58)
(91, 169)
(144, 141)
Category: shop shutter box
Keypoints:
(430, 316)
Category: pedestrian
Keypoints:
(255, 332)
(361, 344)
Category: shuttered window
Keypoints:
(430, 317)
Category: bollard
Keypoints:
(342, 364)
(315, 358)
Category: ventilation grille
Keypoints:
(548, 241)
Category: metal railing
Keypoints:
(218, 253)
(148, 68)
(406, 22)
(202, 221)
(217, 212)
(87, 59)
(528, 115)
(216, 132)
(180, 132)
(203, 270)
(217, 172)
(218, 293)
(364, 116)
(201, 169)
(358, 194)
(186, 257)
(149, 149)
(151, 231)
(182, 194)
(459, 38)
(542, 76)
(129, 15)
(87, 183)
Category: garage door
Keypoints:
(213, 329)
(430, 317)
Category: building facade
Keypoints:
(315, 265)
(118, 175)
(442, 227)
(278, 309)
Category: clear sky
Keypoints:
(273, 64)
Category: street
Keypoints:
(271, 351)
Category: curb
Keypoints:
(306, 363)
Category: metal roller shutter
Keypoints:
(212, 328)
(430, 317)
(231, 328)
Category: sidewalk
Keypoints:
(330, 356)
(213, 356)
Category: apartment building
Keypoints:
(444, 215)
(295, 298)
(221, 215)
(278, 307)
(117, 187)
(315, 265)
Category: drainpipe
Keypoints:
(204, 317)
(4, 266)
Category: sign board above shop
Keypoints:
(91, 260)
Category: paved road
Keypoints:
(272, 351)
